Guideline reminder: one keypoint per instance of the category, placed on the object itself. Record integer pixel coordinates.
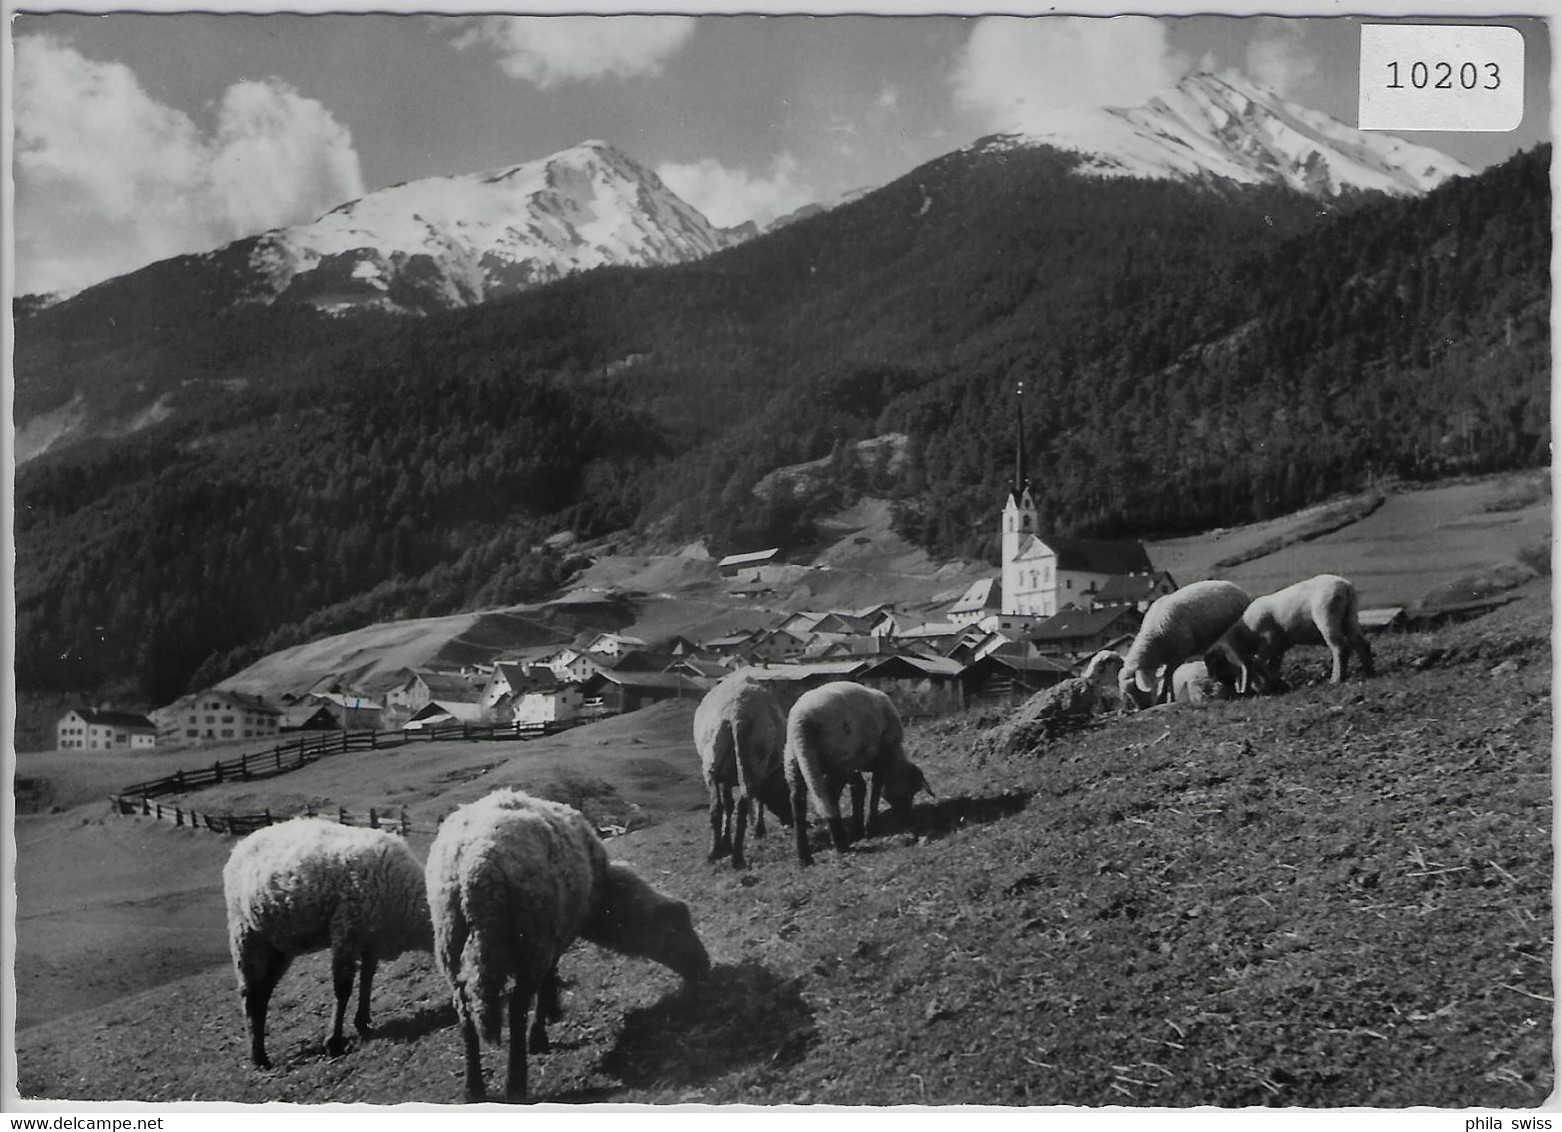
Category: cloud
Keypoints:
(1278, 60)
(1012, 71)
(548, 50)
(109, 180)
(729, 196)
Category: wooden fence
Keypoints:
(137, 798)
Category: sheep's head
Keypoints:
(1129, 686)
(637, 920)
(901, 785)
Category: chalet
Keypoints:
(733, 644)
(547, 703)
(1074, 632)
(352, 713)
(983, 598)
(919, 686)
(892, 624)
(1005, 681)
(436, 714)
(613, 644)
(1133, 591)
(510, 680)
(788, 681)
(734, 564)
(621, 692)
(89, 729)
(802, 622)
(825, 645)
(677, 645)
(307, 716)
(217, 714)
(776, 645)
(643, 660)
(420, 687)
(699, 668)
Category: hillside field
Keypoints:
(1339, 896)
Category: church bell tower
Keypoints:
(1019, 512)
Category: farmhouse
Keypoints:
(734, 564)
(547, 703)
(984, 597)
(1004, 681)
(617, 692)
(421, 687)
(918, 685)
(1134, 591)
(217, 714)
(351, 712)
(1075, 631)
(86, 729)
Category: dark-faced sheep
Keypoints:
(1177, 627)
(835, 734)
(513, 881)
(306, 885)
(740, 731)
(1318, 611)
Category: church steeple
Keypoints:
(1021, 478)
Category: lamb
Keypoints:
(512, 882)
(309, 884)
(834, 734)
(739, 731)
(1196, 682)
(1176, 627)
(1102, 669)
(1318, 611)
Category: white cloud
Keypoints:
(109, 180)
(1013, 70)
(1278, 60)
(730, 196)
(548, 50)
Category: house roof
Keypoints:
(447, 686)
(663, 681)
(833, 669)
(934, 629)
(1091, 556)
(243, 699)
(300, 714)
(752, 558)
(1073, 623)
(732, 642)
(357, 703)
(699, 666)
(920, 665)
(1133, 587)
(1380, 618)
(982, 594)
(1020, 664)
(131, 721)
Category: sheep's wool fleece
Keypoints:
(842, 727)
(751, 709)
(512, 880)
(1182, 624)
(307, 884)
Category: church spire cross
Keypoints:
(1021, 479)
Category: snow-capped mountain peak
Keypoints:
(452, 241)
(1225, 125)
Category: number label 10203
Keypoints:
(1441, 77)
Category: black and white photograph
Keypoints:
(796, 561)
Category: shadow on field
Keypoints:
(407, 1027)
(736, 1016)
(949, 815)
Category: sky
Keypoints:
(141, 136)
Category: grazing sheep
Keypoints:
(1102, 669)
(740, 731)
(306, 885)
(1196, 682)
(834, 734)
(512, 882)
(1318, 611)
(1176, 627)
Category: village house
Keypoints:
(613, 644)
(775, 646)
(999, 681)
(542, 704)
(351, 712)
(307, 715)
(1076, 632)
(919, 686)
(982, 598)
(92, 729)
(618, 692)
(420, 687)
(733, 565)
(217, 714)
(1134, 591)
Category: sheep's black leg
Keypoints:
(872, 828)
(520, 1006)
(475, 1091)
(548, 1010)
(260, 975)
(369, 965)
(1364, 654)
(800, 819)
(759, 819)
(343, 965)
(1165, 694)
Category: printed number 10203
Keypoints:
(1444, 76)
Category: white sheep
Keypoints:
(1196, 682)
(306, 885)
(739, 731)
(1177, 626)
(835, 734)
(1318, 611)
(1102, 669)
(513, 881)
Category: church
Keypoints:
(1045, 574)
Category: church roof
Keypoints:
(985, 593)
(1097, 556)
(1138, 587)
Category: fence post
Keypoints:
(278, 753)
(268, 815)
(178, 816)
(179, 780)
(406, 826)
(374, 819)
(244, 767)
(217, 769)
(146, 806)
(341, 815)
(159, 811)
(374, 740)
(344, 739)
